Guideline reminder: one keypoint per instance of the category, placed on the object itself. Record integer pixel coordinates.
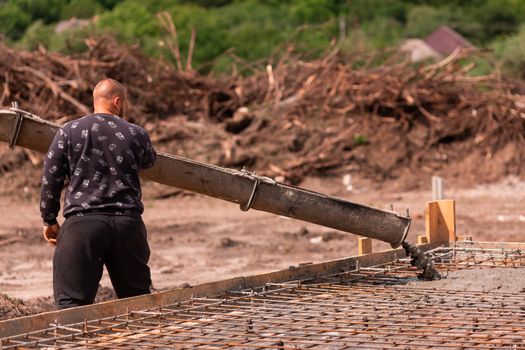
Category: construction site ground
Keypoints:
(195, 239)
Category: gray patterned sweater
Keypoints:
(101, 155)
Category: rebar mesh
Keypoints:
(369, 308)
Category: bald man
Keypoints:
(101, 154)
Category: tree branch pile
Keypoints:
(338, 115)
(59, 87)
(407, 117)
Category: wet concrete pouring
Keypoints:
(421, 261)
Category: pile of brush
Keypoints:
(377, 114)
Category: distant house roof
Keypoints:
(419, 50)
(445, 40)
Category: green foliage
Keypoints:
(360, 140)
(423, 20)
(46, 10)
(362, 11)
(71, 41)
(511, 51)
(229, 32)
(210, 35)
(13, 21)
(156, 6)
(383, 31)
(131, 21)
(311, 11)
(81, 9)
(255, 29)
(499, 17)
(37, 34)
(313, 40)
(356, 42)
(208, 3)
(109, 4)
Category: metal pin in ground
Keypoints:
(420, 261)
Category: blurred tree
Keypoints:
(208, 3)
(511, 51)
(498, 17)
(38, 33)
(210, 35)
(109, 4)
(313, 40)
(13, 21)
(364, 10)
(46, 10)
(383, 31)
(316, 11)
(259, 29)
(155, 6)
(81, 9)
(423, 20)
(131, 21)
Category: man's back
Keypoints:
(102, 155)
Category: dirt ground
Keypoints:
(196, 239)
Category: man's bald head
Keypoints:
(110, 96)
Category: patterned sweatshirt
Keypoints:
(101, 154)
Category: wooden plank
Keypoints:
(237, 187)
(364, 246)
(440, 221)
(431, 222)
(447, 219)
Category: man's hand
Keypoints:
(51, 233)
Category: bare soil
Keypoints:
(196, 239)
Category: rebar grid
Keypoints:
(369, 307)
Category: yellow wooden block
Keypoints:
(364, 246)
(440, 221)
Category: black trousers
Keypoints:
(85, 244)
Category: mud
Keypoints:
(497, 279)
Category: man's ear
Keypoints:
(117, 102)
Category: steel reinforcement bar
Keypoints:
(363, 307)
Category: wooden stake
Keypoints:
(364, 246)
(440, 221)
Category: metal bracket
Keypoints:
(248, 205)
(16, 130)
(257, 180)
